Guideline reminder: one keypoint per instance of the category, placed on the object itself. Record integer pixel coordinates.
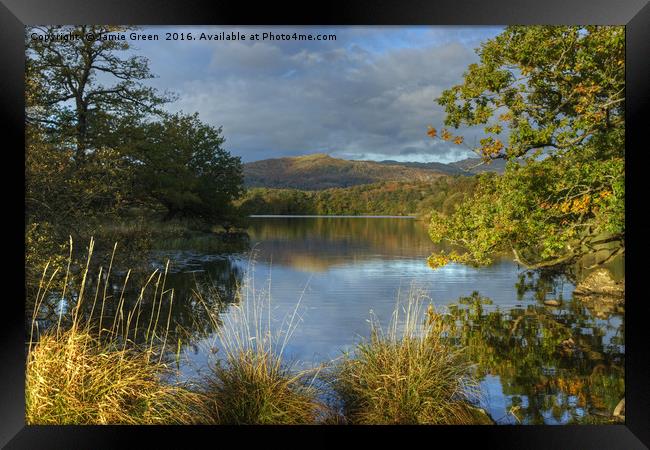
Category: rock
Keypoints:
(551, 302)
(601, 283)
(619, 411)
(601, 294)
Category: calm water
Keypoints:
(537, 364)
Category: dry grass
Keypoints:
(254, 388)
(80, 373)
(252, 384)
(74, 378)
(407, 375)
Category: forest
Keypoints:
(396, 198)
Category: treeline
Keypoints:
(385, 198)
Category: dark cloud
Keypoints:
(368, 95)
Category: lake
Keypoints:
(537, 364)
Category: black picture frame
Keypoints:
(635, 14)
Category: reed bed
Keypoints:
(85, 371)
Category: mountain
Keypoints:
(320, 171)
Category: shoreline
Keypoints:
(335, 216)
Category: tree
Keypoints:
(85, 86)
(180, 163)
(81, 98)
(557, 94)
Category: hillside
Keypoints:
(321, 171)
(397, 198)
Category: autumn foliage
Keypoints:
(555, 112)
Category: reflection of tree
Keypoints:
(319, 243)
(205, 295)
(553, 363)
(190, 318)
(542, 283)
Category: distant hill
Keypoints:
(320, 171)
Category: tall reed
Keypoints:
(251, 383)
(87, 370)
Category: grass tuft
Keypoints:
(74, 378)
(80, 373)
(251, 383)
(407, 375)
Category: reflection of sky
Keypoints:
(335, 304)
(494, 401)
(500, 406)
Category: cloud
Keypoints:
(368, 95)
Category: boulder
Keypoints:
(600, 283)
(601, 294)
(619, 411)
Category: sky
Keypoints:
(369, 94)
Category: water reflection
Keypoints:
(189, 287)
(318, 243)
(542, 364)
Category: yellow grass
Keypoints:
(407, 375)
(79, 373)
